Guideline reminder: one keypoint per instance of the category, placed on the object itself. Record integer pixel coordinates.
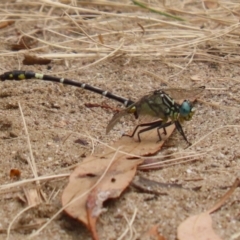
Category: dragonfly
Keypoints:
(160, 104)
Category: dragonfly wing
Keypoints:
(115, 119)
(179, 93)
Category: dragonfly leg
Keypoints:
(163, 126)
(180, 130)
(149, 126)
(136, 115)
(159, 125)
(134, 131)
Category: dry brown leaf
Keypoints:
(199, 227)
(150, 186)
(115, 181)
(88, 206)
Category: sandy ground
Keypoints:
(56, 116)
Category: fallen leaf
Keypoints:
(89, 186)
(199, 227)
(118, 177)
(150, 186)
(154, 187)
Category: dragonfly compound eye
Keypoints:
(185, 109)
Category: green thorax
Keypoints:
(157, 104)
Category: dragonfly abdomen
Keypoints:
(21, 75)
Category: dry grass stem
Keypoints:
(31, 161)
(129, 227)
(15, 218)
(5, 187)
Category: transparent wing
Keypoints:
(150, 105)
(181, 93)
(115, 119)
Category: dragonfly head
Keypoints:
(186, 111)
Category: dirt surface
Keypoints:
(119, 54)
